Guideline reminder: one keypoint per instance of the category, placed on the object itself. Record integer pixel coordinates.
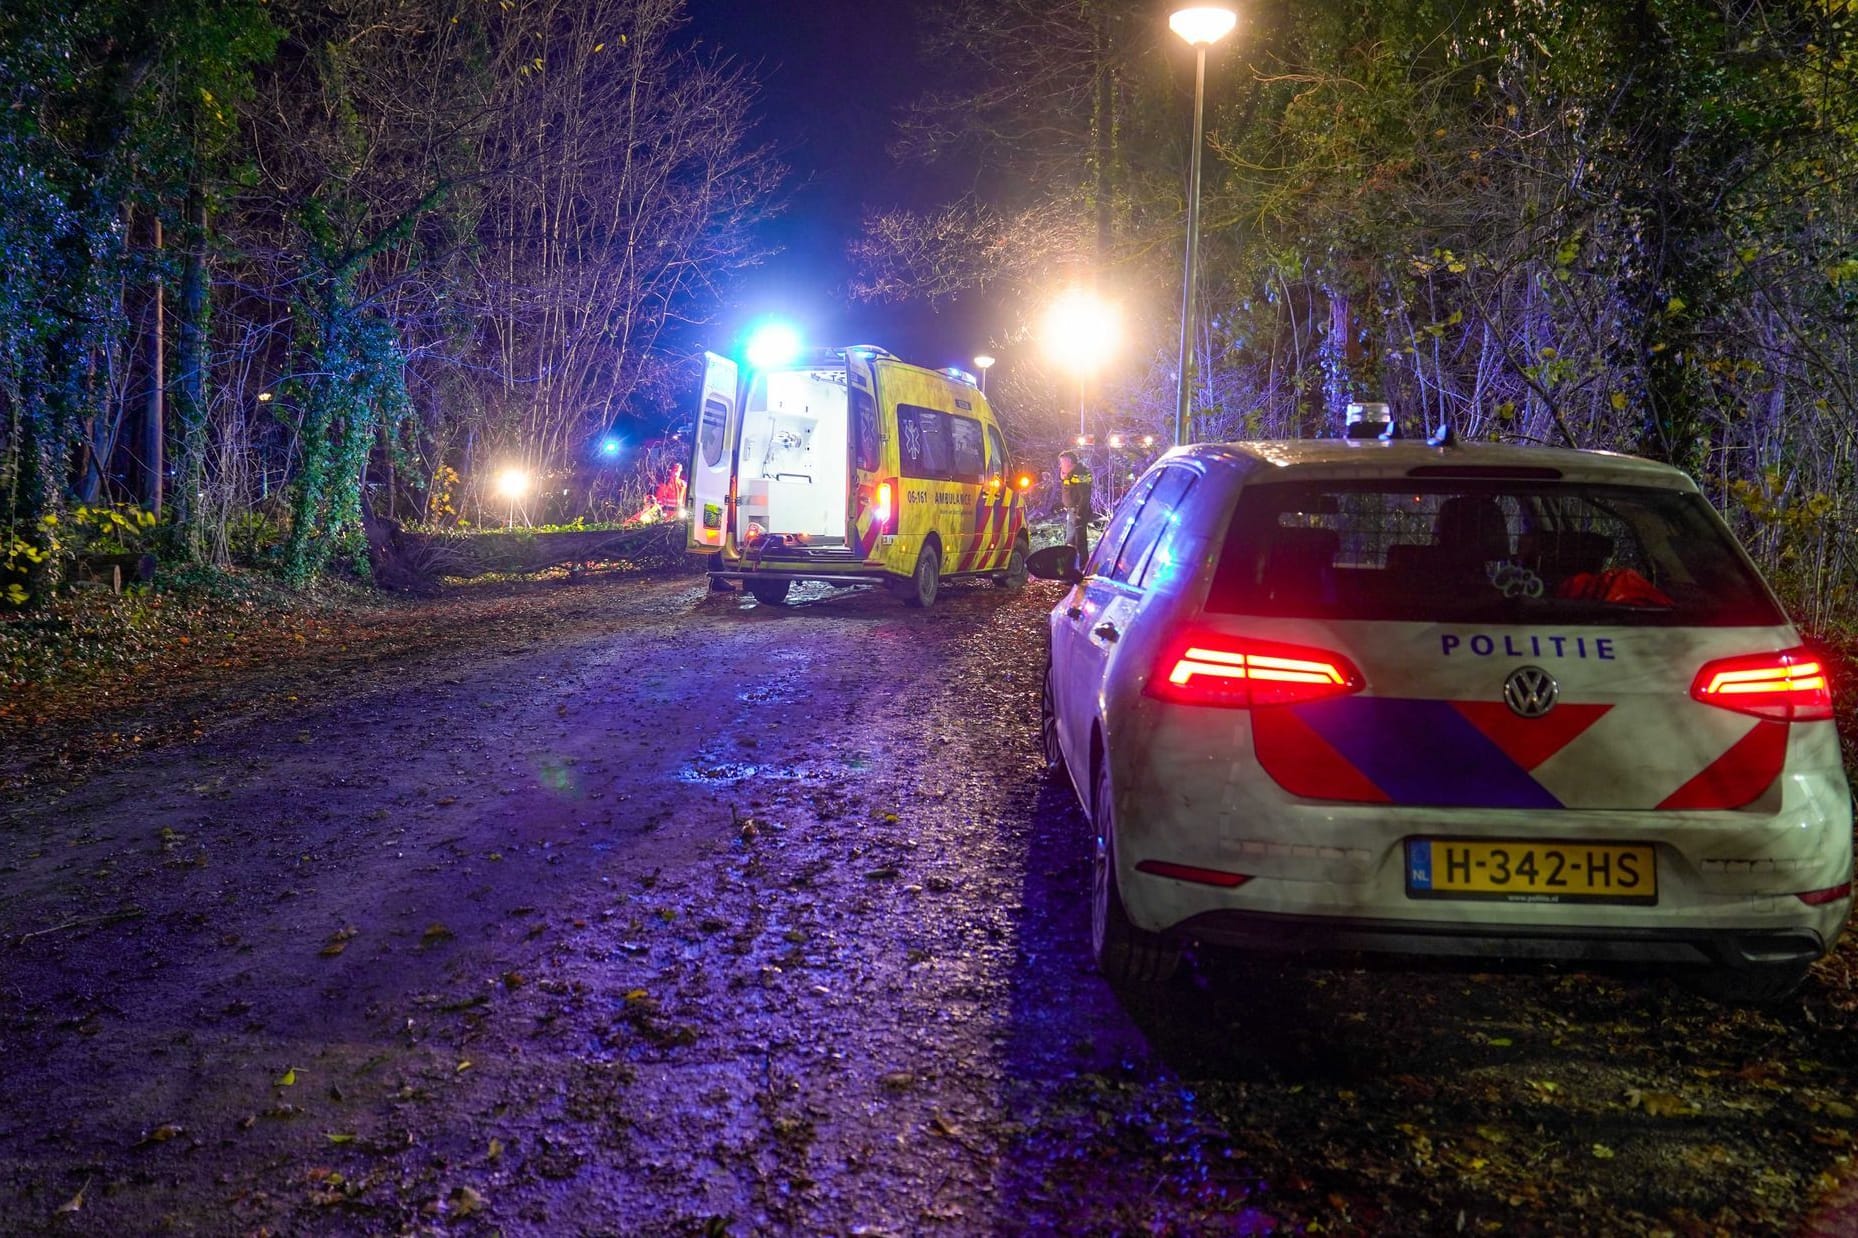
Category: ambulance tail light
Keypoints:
(884, 508)
(1789, 686)
(1206, 669)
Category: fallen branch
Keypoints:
(130, 913)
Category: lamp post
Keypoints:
(512, 484)
(1202, 25)
(1081, 331)
(983, 363)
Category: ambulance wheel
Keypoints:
(925, 580)
(1124, 953)
(1015, 575)
(1048, 723)
(769, 592)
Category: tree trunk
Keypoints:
(190, 370)
(153, 426)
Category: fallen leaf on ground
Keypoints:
(163, 1133)
(465, 1202)
(339, 1137)
(288, 1079)
(76, 1202)
(435, 932)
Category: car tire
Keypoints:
(1747, 986)
(1124, 953)
(1014, 577)
(920, 590)
(1048, 724)
(770, 592)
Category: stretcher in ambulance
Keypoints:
(851, 466)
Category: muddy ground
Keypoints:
(645, 911)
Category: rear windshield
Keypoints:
(1466, 551)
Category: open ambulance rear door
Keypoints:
(712, 466)
(872, 495)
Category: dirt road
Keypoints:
(690, 915)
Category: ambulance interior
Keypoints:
(792, 472)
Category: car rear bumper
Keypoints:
(1735, 948)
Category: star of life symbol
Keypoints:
(1530, 691)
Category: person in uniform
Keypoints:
(1074, 482)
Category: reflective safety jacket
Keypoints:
(1075, 490)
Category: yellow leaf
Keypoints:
(496, 1148)
(342, 1137)
(76, 1202)
(1619, 401)
(464, 1066)
(1602, 1152)
(1674, 306)
(288, 1079)
(599, 47)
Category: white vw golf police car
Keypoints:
(1477, 700)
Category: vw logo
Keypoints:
(1530, 691)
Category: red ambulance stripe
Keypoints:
(1529, 741)
(1738, 776)
(1304, 763)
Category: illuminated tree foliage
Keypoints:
(1630, 225)
(370, 242)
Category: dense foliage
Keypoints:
(274, 265)
(1631, 225)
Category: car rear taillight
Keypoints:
(1789, 686)
(1204, 669)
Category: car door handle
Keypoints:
(1107, 631)
(1074, 612)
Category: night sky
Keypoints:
(834, 75)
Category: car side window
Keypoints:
(1104, 556)
(1159, 517)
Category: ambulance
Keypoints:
(850, 466)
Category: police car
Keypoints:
(1460, 699)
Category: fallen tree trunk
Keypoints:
(415, 562)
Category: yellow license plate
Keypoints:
(1533, 872)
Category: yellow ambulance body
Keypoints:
(852, 466)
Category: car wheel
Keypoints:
(1124, 953)
(770, 592)
(1048, 723)
(1014, 577)
(1747, 986)
(925, 580)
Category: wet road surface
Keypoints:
(715, 917)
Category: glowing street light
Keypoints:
(1201, 25)
(984, 363)
(1081, 331)
(512, 484)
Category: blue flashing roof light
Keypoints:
(773, 344)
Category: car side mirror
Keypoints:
(1055, 563)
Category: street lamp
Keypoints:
(1081, 331)
(983, 363)
(1202, 25)
(512, 484)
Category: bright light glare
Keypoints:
(512, 484)
(1081, 331)
(609, 446)
(983, 362)
(1203, 23)
(772, 345)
